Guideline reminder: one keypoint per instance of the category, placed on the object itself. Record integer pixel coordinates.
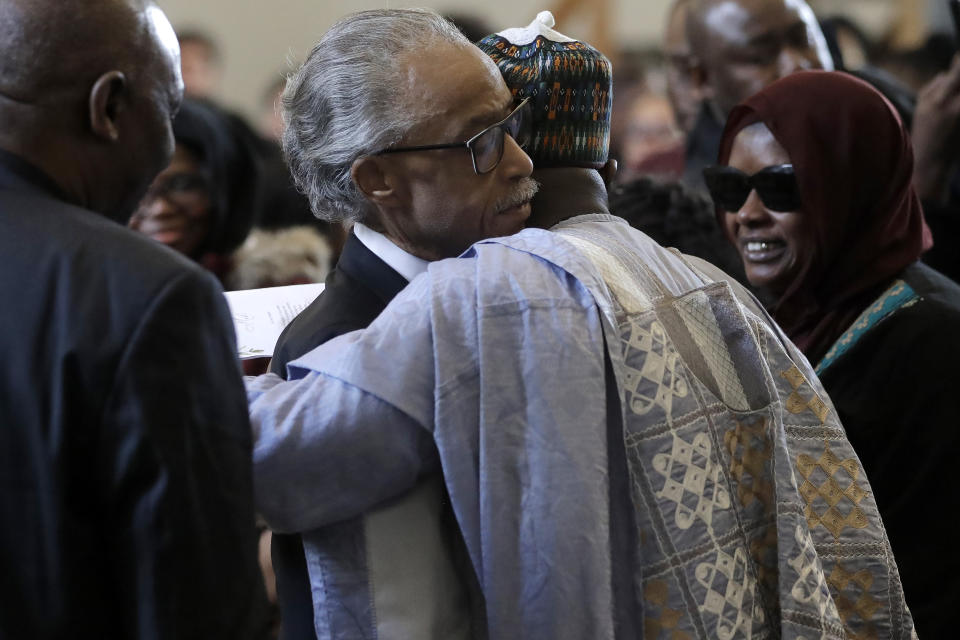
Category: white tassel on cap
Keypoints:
(546, 18)
(542, 25)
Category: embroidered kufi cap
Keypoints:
(570, 86)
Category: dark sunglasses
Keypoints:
(486, 148)
(777, 187)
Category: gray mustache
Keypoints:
(526, 189)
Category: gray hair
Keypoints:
(347, 101)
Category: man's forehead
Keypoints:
(737, 20)
(465, 87)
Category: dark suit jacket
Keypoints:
(357, 290)
(125, 449)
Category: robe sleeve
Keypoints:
(353, 426)
(326, 450)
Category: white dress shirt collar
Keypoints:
(406, 264)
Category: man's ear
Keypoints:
(374, 180)
(609, 172)
(107, 100)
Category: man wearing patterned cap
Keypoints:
(630, 446)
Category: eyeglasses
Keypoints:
(777, 187)
(486, 148)
(179, 186)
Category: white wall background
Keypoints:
(259, 38)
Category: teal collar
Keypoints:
(899, 296)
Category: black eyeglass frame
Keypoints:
(522, 109)
(754, 183)
(182, 183)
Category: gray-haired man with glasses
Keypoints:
(397, 124)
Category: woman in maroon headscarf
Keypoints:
(814, 190)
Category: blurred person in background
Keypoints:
(684, 93)
(850, 48)
(650, 143)
(125, 446)
(201, 64)
(204, 203)
(279, 205)
(852, 51)
(293, 255)
(472, 26)
(738, 47)
(814, 189)
(917, 67)
(284, 210)
(936, 175)
(645, 138)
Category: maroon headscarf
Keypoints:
(854, 165)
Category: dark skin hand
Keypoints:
(936, 134)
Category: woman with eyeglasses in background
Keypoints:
(814, 190)
(204, 204)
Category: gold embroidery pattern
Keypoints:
(698, 468)
(796, 403)
(732, 574)
(811, 585)
(854, 600)
(832, 492)
(657, 382)
(763, 550)
(750, 449)
(660, 618)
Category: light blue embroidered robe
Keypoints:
(629, 447)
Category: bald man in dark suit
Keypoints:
(125, 453)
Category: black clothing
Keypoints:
(944, 222)
(283, 206)
(126, 494)
(895, 393)
(358, 289)
(900, 95)
(676, 216)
